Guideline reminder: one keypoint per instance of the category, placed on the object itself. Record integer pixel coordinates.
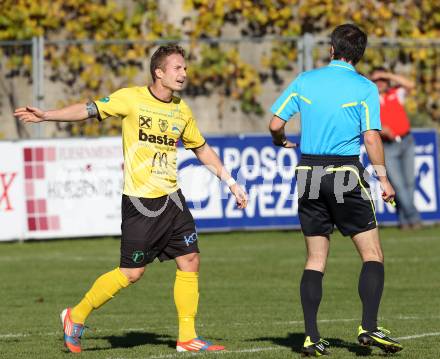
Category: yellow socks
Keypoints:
(104, 289)
(186, 297)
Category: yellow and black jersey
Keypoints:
(151, 130)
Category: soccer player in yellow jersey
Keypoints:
(156, 223)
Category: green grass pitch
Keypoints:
(249, 298)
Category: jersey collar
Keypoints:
(158, 99)
(341, 64)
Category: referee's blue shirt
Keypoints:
(336, 103)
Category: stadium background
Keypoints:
(241, 54)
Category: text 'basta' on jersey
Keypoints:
(151, 130)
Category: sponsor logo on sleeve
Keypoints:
(190, 239)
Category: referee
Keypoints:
(337, 106)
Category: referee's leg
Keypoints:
(371, 282)
(371, 279)
(311, 283)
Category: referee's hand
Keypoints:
(241, 196)
(388, 193)
(285, 143)
(289, 144)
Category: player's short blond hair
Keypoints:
(159, 56)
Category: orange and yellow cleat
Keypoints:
(72, 332)
(196, 345)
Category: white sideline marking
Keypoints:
(18, 335)
(179, 355)
(257, 350)
(419, 336)
(292, 322)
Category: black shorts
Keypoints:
(333, 190)
(156, 228)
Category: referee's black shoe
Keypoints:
(317, 349)
(379, 338)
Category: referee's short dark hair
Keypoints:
(349, 43)
(159, 56)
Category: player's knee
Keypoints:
(316, 262)
(189, 262)
(379, 257)
(319, 257)
(193, 262)
(373, 255)
(194, 258)
(133, 274)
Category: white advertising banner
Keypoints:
(73, 187)
(62, 188)
(11, 192)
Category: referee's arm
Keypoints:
(276, 128)
(374, 147)
(283, 109)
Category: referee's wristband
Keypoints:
(283, 142)
(230, 181)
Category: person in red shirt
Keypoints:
(398, 142)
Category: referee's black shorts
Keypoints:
(152, 228)
(333, 190)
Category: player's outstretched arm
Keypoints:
(210, 159)
(76, 112)
(374, 146)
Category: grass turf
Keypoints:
(249, 297)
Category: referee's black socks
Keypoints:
(311, 294)
(371, 281)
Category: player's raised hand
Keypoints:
(241, 196)
(29, 114)
(377, 75)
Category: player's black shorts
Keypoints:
(332, 190)
(156, 228)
